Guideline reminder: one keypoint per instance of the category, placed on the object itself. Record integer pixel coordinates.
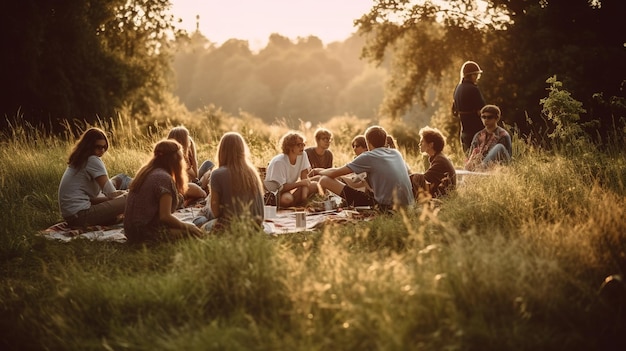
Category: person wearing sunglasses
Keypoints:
(386, 175)
(319, 155)
(290, 171)
(359, 145)
(357, 181)
(490, 146)
(87, 196)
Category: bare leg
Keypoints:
(332, 184)
(286, 199)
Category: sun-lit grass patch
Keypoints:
(509, 261)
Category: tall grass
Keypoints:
(513, 261)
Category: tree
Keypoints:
(82, 59)
(519, 43)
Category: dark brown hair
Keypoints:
(433, 135)
(85, 147)
(376, 136)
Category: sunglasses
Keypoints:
(490, 116)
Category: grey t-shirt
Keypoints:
(235, 205)
(386, 175)
(79, 186)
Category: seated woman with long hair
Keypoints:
(155, 193)
(236, 190)
(85, 181)
(194, 189)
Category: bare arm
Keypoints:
(107, 188)
(166, 217)
(355, 182)
(333, 172)
(301, 183)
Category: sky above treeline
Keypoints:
(255, 20)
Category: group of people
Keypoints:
(302, 172)
(484, 142)
(378, 176)
(87, 196)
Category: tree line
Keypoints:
(290, 80)
(72, 59)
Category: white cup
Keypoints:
(269, 212)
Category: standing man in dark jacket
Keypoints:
(468, 100)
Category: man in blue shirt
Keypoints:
(386, 175)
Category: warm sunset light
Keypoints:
(254, 20)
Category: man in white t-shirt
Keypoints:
(386, 175)
(290, 169)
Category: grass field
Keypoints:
(513, 261)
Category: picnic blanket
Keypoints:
(63, 232)
(283, 223)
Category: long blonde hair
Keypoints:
(168, 155)
(233, 153)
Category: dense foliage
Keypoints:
(518, 43)
(76, 59)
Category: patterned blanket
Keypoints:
(283, 223)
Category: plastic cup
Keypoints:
(269, 212)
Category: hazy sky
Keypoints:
(255, 20)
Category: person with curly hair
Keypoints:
(290, 171)
(194, 189)
(440, 177)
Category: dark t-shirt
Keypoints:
(141, 217)
(440, 168)
(468, 100)
(317, 161)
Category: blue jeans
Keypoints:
(497, 154)
(121, 181)
(205, 167)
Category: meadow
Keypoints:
(513, 261)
